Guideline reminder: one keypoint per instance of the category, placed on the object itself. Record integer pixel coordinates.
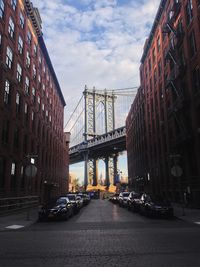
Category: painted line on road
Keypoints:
(14, 226)
(197, 223)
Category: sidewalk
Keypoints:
(18, 219)
(187, 214)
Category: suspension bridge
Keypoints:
(97, 129)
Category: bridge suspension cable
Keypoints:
(96, 102)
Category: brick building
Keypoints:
(31, 107)
(170, 79)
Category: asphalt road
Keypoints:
(103, 234)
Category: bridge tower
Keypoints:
(91, 100)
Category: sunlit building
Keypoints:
(168, 161)
(31, 107)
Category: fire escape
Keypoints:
(174, 55)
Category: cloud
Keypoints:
(95, 42)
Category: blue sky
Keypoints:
(95, 43)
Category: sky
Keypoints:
(95, 42)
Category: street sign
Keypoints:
(31, 171)
(176, 171)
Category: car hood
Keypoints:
(56, 206)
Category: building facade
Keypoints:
(170, 78)
(31, 107)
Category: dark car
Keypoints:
(59, 209)
(123, 196)
(114, 198)
(133, 201)
(151, 205)
(75, 202)
(85, 198)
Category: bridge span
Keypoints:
(98, 132)
(100, 146)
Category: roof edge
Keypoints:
(153, 29)
(48, 60)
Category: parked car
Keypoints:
(151, 205)
(85, 198)
(62, 208)
(114, 198)
(123, 199)
(133, 201)
(75, 202)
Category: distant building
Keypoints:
(163, 126)
(31, 107)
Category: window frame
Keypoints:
(6, 97)
(9, 57)
(11, 27)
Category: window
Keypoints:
(13, 169)
(34, 71)
(14, 4)
(32, 115)
(189, 11)
(193, 48)
(35, 49)
(21, 20)
(39, 100)
(2, 6)
(19, 72)
(20, 45)
(5, 132)
(9, 57)
(0, 39)
(17, 103)
(26, 112)
(39, 78)
(158, 43)
(27, 84)
(40, 60)
(7, 92)
(13, 176)
(11, 27)
(154, 55)
(196, 79)
(29, 37)
(149, 64)
(28, 59)
(33, 94)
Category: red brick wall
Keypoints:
(45, 136)
(171, 105)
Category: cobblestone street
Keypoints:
(103, 234)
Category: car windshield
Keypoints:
(71, 197)
(126, 194)
(61, 201)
